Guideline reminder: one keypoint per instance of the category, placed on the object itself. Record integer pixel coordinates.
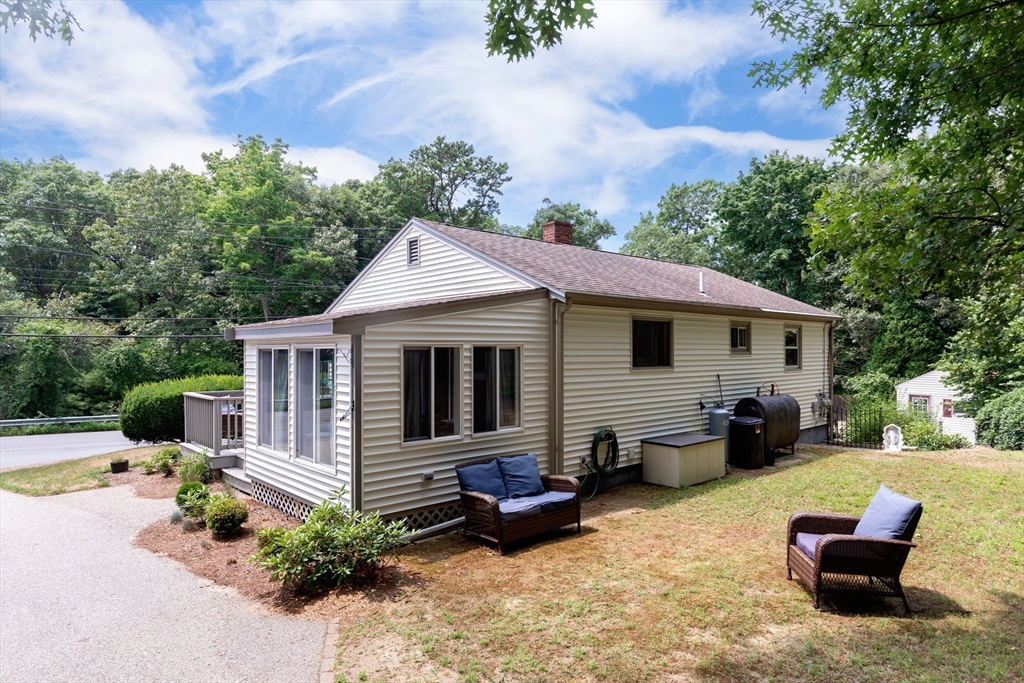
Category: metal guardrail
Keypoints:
(58, 420)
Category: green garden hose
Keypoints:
(605, 435)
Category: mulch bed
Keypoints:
(152, 486)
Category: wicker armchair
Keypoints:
(483, 518)
(844, 563)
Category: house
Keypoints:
(455, 344)
(928, 394)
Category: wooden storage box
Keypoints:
(683, 459)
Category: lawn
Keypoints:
(68, 475)
(681, 585)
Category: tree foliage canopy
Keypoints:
(588, 229)
(41, 18)
(519, 27)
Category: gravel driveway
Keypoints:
(79, 603)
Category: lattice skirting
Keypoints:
(280, 501)
(432, 516)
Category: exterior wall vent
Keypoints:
(413, 252)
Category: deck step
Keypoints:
(236, 479)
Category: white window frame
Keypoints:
(458, 384)
(498, 429)
(927, 403)
(259, 418)
(294, 413)
(799, 346)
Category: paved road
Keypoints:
(19, 451)
(79, 603)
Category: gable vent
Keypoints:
(414, 251)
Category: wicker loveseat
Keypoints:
(506, 499)
(843, 554)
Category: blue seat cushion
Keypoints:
(553, 500)
(512, 509)
(521, 475)
(484, 478)
(888, 515)
(808, 543)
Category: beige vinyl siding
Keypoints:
(444, 271)
(601, 388)
(930, 384)
(392, 471)
(301, 479)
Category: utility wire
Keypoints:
(62, 317)
(114, 336)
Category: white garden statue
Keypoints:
(892, 438)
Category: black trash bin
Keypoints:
(746, 442)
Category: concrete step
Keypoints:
(236, 479)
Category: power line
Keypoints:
(114, 336)
(114, 319)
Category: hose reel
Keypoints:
(596, 465)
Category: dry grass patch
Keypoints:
(690, 584)
(70, 475)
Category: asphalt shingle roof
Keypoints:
(577, 270)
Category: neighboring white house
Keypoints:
(455, 344)
(927, 393)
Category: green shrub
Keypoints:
(863, 425)
(872, 387)
(193, 468)
(185, 488)
(155, 412)
(1000, 422)
(195, 502)
(226, 515)
(942, 442)
(335, 544)
(162, 461)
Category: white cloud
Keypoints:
(335, 164)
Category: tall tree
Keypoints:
(765, 213)
(273, 259)
(935, 87)
(48, 208)
(686, 228)
(588, 229)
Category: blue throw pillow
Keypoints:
(888, 515)
(484, 478)
(521, 475)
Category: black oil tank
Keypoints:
(781, 415)
(746, 442)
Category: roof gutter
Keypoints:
(709, 308)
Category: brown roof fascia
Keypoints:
(680, 307)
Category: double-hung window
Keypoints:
(314, 394)
(791, 339)
(273, 404)
(496, 388)
(430, 392)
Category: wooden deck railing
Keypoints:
(215, 419)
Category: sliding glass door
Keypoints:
(314, 390)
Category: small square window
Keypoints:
(413, 251)
(652, 343)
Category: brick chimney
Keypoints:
(558, 232)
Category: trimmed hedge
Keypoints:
(225, 515)
(155, 412)
(1000, 422)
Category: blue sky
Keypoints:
(657, 93)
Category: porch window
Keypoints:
(314, 390)
(273, 399)
(791, 339)
(496, 388)
(652, 343)
(430, 392)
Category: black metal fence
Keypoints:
(855, 426)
